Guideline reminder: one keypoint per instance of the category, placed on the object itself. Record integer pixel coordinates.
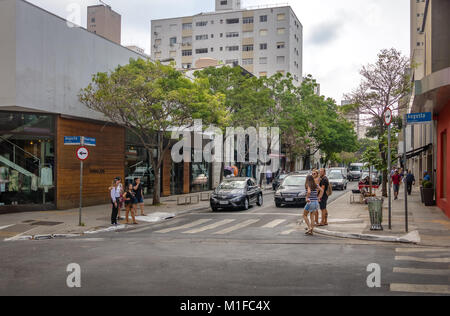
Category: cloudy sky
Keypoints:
(339, 35)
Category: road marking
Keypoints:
(209, 227)
(236, 227)
(420, 288)
(288, 232)
(274, 223)
(422, 271)
(4, 227)
(431, 260)
(412, 250)
(187, 226)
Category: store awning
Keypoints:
(418, 151)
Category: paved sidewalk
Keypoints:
(427, 225)
(95, 218)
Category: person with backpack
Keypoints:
(327, 192)
(313, 196)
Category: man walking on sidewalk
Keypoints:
(410, 181)
(396, 180)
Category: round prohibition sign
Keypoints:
(388, 117)
(82, 153)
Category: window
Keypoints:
(263, 46)
(201, 23)
(247, 61)
(232, 48)
(187, 52)
(187, 41)
(187, 26)
(248, 20)
(201, 37)
(186, 66)
(247, 34)
(281, 31)
(173, 41)
(281, 45)
(281, 17)
(232, 34)
(263, 60)
(263, 32)
(281, 59)
(263, 18)
(232, 21)
(201, 51)
(93, 20)
(247, 48)
(223, 2)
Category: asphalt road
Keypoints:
(260, 252)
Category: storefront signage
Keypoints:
(419, 118)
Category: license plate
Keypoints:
(223, 202)
(289, 200)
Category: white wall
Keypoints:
(7, 53)
(55, 61)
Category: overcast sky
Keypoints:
(339, 35)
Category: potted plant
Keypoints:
(428, 193)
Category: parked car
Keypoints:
(337, 180)
(292, 191)
(236, 193)
(278, 180)
(344, 171)
(355, 171)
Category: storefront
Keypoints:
(27, 161)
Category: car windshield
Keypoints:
(336, 176)
(294, 181)
(231, 185)
(355, 168)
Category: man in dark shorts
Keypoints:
(137, 188)
(396, 180)
(324, 184)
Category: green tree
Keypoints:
(149, 99)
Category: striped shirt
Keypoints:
(314, 197)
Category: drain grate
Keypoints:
(47, 223)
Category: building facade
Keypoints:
(264, 41)
(103, 21)
(428, 145)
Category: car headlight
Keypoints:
(237, 199)
(301, 195)
(278, 194)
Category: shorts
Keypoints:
(312, 207)
(140, 200)
(396, 188)
(323, 203)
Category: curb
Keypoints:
(411, 238)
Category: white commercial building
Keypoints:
(264, 41)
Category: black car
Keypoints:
(292, 191)
(236, 193)
(277, 181)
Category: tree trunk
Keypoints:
(157, 189)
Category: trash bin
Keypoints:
(376, 213)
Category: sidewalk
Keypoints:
(427, 225)
(37, 225)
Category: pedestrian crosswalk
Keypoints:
(429, 265)
(220, 227)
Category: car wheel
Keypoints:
(260, 200)
(246, 204)
(277, 204)
(214, 209)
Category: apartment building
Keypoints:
(264, 40)
(103, 21)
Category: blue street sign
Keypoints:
(419, 118)
(89, 141)
(72, 140)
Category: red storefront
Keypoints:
(443, 154)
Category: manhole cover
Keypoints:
(46, 223)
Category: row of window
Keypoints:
(246, 20)
(233, 48)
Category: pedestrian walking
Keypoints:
(313, 196)
(410, 181)
(114, 201)
(119, 192)
(326, 189)
(396, 180)
(315, 175)
(269, 176)
(130, 204)
(139, 192)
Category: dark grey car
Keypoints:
(292, 191)
(236, 193)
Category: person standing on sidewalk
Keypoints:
(396, 180)
(313, 196)
(130, 204)
(120, 190)
(139, 192)
(410, 181)
(114, 201)
(315, 175)
(325, 186)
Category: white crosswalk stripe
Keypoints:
(418, 259)
(420, 288)
(210, 227)
(419, 250)
(236, 227)
(274, 223)
(422, 271)
(187, 226)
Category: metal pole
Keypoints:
(389, 176)
(81, 184)
(404, 164)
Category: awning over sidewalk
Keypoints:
(417, 152)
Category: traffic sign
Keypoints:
(82, 153)
(89, 141)
(419, 118)
(72, 140)
(388, 117)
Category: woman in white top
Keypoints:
(114, 194)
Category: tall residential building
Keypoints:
(264, 41)
(102, 20)
(418, 37)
